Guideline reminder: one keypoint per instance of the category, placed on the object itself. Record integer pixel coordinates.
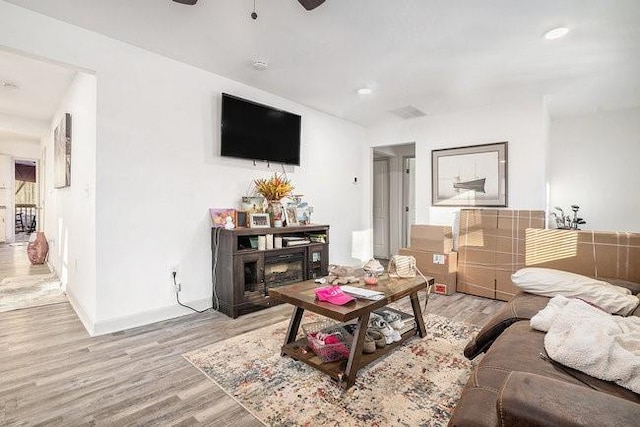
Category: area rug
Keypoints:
(417, 384)
(30, 291)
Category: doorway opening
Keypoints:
(393, 197)
(26, 199)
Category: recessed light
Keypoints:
(365, 91)
(556, 33)
(260, 65)
(9, 85)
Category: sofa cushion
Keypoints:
(518, 349)
(523, 306)
(534, 400)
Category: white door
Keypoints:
(381, 208)
(408, 199)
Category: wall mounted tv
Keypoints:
(258, 132)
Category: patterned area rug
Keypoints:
(30, 291)
(418, 383)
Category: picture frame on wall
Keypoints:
(62, 152)
(259, 220)
(472, 176)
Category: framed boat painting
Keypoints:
(470, 176)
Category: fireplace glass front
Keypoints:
(283, 269)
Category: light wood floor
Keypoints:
(14, 262)
(52, 372)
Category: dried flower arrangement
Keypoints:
(274, 188)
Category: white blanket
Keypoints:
(588, 339)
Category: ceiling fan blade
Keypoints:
(189, 2)
(310, 4)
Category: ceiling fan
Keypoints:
(307, 4)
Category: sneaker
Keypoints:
(369, 344)
(378, 338)
(378, 324)
(370, 340)
(393, 319)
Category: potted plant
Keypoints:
(274, 189)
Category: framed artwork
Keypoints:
(259, 220)
(470, 176)
(224, 217)
(291, 215)
(62, 153)
(242, 217)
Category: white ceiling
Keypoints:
(40, 88)
(438, 56)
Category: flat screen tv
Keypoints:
(258, 132)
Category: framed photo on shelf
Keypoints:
(470, 176)
(259, 220)
(223, 217)
(291, 215)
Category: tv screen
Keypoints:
(257, 132)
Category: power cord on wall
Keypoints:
(215, 302)
(176, 286)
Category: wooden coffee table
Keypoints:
(302, 296)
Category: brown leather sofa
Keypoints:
(516, 384)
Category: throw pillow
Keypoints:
(549, 282)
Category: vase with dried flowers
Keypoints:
(274, 189)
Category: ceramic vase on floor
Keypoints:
(38, 248)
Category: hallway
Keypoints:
(25, 285)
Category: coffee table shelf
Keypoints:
(299, 350)
(302, 296)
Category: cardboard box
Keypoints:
(509, 262)
(444, 288)
(491, 246)
(442, 267)
(434, 238)
(509, 219)
(505, 289)
(476, 256)
(476, 280)
(590, 253)
(474, 219)
(509, 243)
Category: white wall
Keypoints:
(521, 123)
(158, 169)
(70, 212)
(594, 164)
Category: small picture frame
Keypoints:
(223, 217)
(291, 216)
(243, 218)
(259, 220)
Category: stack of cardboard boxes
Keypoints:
(491, 247)
(432, 245)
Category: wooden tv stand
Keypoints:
(243, 274)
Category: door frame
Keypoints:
(406, 212)
(387, 207)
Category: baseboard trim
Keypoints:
(87, 322)
(108, 326)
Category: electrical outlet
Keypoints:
(173, 271)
